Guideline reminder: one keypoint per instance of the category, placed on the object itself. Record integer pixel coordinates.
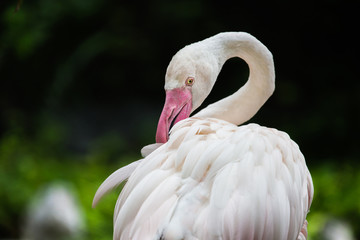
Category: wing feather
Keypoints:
(114, 180)
(165, 191)
(128, 211)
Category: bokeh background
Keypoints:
(82, 89)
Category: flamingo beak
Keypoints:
(178, 105)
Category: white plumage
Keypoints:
(213, 179)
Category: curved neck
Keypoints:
(244, 103)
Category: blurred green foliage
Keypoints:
(336, 195)
(82, 88)
(27, 165)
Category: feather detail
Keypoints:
(114, 180)
(145, 151)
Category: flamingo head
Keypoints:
(189, 78)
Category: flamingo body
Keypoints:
(214, 180)
(210, 179)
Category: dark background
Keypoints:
(82, 85)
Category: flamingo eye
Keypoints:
(189, 81)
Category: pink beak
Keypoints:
(178, 105)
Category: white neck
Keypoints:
(243, 104)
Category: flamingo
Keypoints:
(208, 178)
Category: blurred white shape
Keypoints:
(54, 214)
(336, 229)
